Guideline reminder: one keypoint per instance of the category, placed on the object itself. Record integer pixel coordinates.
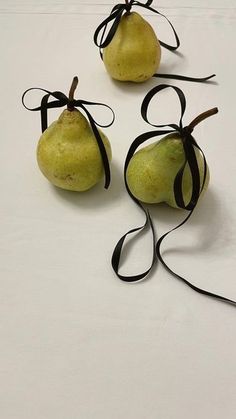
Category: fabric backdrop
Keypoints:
(76, 342)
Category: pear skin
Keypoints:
(152, 170)
(134, 53)
(68, 153)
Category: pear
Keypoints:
(152, 170)
(134, 53)
(68, 154)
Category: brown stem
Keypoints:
(127, 2)
(72, 91)
(202, 116)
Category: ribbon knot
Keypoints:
(186, 132)
(128, 5)
(71, 104)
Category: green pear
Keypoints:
(134, 53)
(68, 154)
(152, 170)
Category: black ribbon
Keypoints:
(184, 78)
(115, 17)
(189, 144)
(62, 100)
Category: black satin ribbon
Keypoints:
(63, 100)
(115, 17)
(190, 158)
(184, 78)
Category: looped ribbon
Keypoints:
(189, 143)
(62, 100)
(116, 15)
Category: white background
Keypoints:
(76, 342)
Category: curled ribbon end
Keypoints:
(107, 177)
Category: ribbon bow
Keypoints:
(116, 15)
(63, 100)
(189, 144)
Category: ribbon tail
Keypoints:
(178, 193)
(104, 156)
(97, 135)
(191, 160)
(115, 260)
(204, 165)
(102, 150)
(148, 224)
(188, 283)
(184, 78)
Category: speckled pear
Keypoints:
(134, 53)
(68, 153)
(152, 170)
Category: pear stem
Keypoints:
(202, 116)
(127, 2)
(71, 92)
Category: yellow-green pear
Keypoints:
(152, 170)
(134, 53)
(68, 154)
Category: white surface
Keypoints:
(75, 341)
